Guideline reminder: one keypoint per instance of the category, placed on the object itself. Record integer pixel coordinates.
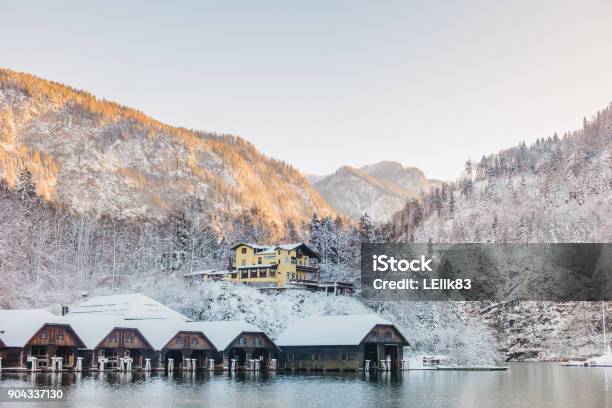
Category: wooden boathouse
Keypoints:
(34, 337)
(107, 340)
(249, 346)
(134, 332)
(341, 343)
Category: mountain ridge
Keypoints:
(380, 189)
(99, 156)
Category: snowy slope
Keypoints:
(557, 190)
(98, 156)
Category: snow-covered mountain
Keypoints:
(97, 156)
(557, 190)
(379, 189)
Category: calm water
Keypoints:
(523, 385)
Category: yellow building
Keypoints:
(274, 265)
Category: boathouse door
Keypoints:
(391, 352)
(370, 352)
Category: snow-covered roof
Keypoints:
(271, 248)
(254, 246)
(155, 331)
(18, 326)
(159, 333)
(92, 330)
(345, 330)
(289, 247)
(221, 333)
(131, 306)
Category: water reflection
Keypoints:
(524, 385)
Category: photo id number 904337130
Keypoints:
(15, 394)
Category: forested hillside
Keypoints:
(556, 190)
(50, 256)
(559, 189)
(99, 157)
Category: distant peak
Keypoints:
(385, 164)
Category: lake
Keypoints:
(523, 385)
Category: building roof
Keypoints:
(92, 330)
(289, 247)
(157, 333)
(222, 333)
(132, 306)
(270, 249)
(18, 326)
(254, 246)
(345, 330)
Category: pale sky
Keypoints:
(321, 84)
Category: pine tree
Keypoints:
(26, 189)
(366, 229)
(468, 181)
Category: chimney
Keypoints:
(64, 310)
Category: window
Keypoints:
(272, 273)
(259, 261)
(257, 341)
(374, 334)
(345, 357)
(293, 260)
(315, 357)
(178, 340)
(194, 341)
(263, 273)
(243, 250)
(60, 337)
(253, 273)
(242, 340)
(278, 252)
(290, 357)
(44, 335)
(388, 334)
(244, 274)
(243, 262)
(234, 275)
(39, 351)
(129, 338)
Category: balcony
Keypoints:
(306, 268)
